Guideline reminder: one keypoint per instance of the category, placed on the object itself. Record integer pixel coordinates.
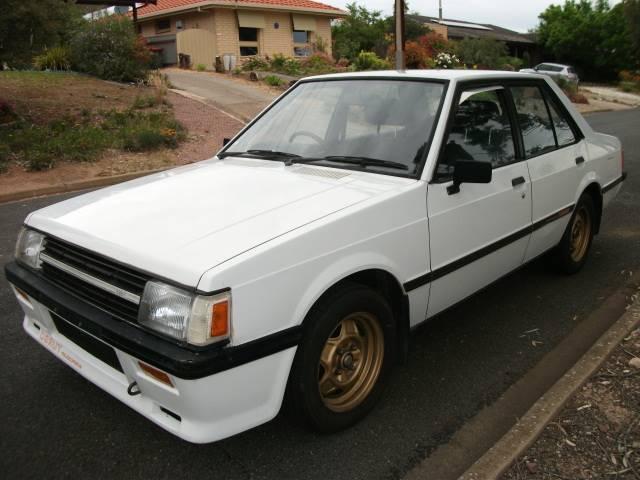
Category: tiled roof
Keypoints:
(302, 5)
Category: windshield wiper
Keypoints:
(353, 160)
(259, 153)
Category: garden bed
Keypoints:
(80, 107)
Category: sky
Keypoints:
(519, 15)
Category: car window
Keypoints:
(534, 121)
(561, 125)
(381, 119)
(480, 131)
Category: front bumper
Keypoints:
(217, 392)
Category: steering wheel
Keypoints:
(304, 133)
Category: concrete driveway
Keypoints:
(239, 99)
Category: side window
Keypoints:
(480, 131)
(564, 133)
(533, 117)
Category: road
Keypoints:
(234, 97)
(57, 425)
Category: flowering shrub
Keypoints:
(446, 60)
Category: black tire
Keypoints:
(568, 257)
(351, 303)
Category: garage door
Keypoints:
(168, 45)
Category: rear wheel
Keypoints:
(344, 359)
(571, 253)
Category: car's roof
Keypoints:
(427, 74)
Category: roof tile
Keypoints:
(176, 4)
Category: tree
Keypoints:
(484, 52)
(361, 30)
(593, 37)
(27, 27)
(632, 14)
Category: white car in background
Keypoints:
(295, 263)
(555, 71)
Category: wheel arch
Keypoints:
(594, 190)
(386, 284)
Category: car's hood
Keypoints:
(182, 222)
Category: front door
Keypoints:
(480, 233)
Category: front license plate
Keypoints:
(56, 347)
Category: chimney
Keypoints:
(440, 10)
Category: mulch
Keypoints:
(597, 435)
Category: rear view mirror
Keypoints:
(469, 171)
(225, 141)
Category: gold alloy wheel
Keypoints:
(580, 235)
(350, 362)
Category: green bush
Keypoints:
(370, 61)
(286, 65)
(201, 67)
(319, 63)
(109, 48)
(39, 147)
(273, 80)
(56, 58)
(255, 63)
(146, 101)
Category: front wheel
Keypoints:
(571, 253)
(344, 359)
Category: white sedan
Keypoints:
(294, 264)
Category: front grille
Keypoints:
(98, 267)
(92, 345)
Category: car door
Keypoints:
(480, 233)
(556, 157)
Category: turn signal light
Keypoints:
(155, 373)
(220, 319)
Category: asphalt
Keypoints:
(57, 425)
(234, 97)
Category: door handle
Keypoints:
(579, 160)
(517, 181)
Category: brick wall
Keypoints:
(223, 23)
(278, 40)
(324, 31)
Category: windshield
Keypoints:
(386, 120)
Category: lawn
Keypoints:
(47, 118)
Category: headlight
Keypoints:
(28, 247)
(197, 319)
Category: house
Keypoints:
(204, 29)
(520, 45)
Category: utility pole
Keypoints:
(399, 15)
(440, 9)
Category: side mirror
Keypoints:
(225, 141)
(469, 171)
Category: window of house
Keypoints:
(163, 25)
(301, 47)
(300, 36)
(248, 41)
(535, 123)
(480, 131)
